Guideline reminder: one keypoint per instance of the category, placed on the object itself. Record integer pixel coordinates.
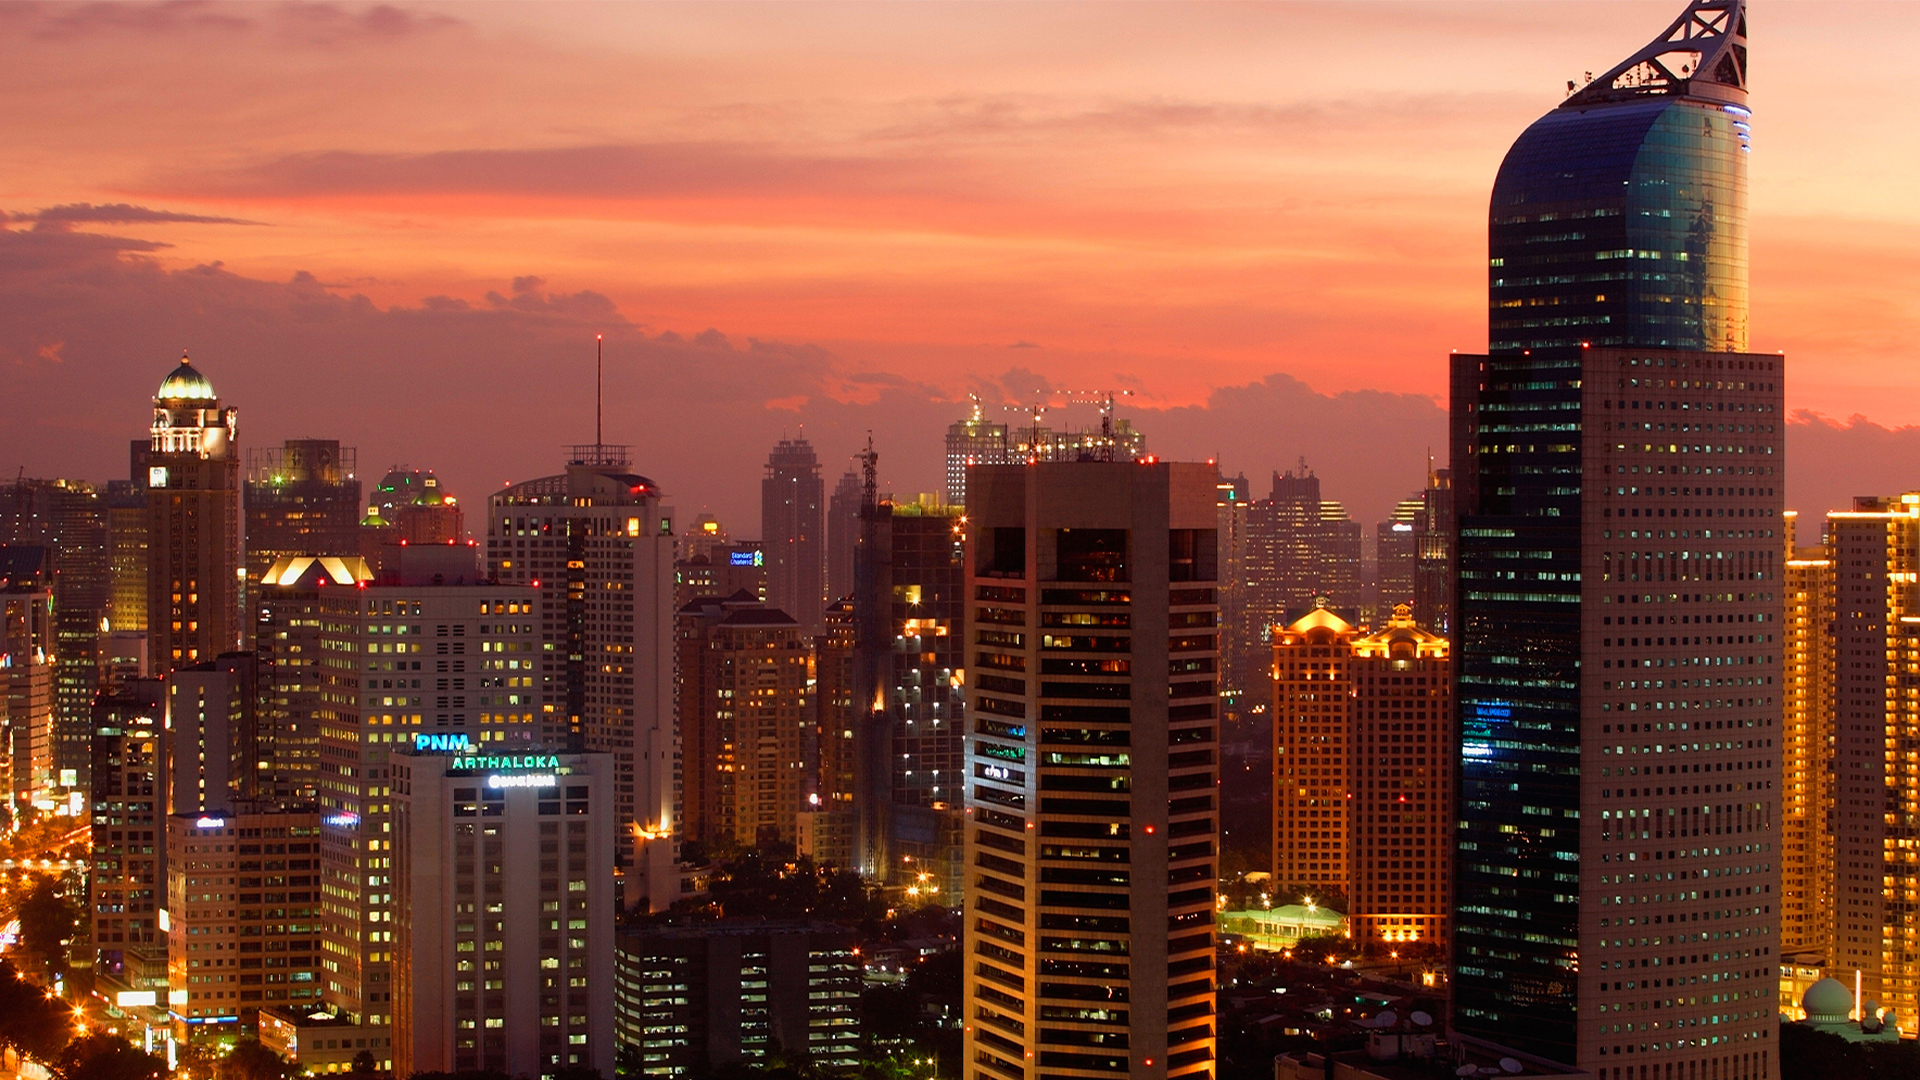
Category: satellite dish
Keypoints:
(1420, 1018)
(1511, 1066)
(1387, 1018)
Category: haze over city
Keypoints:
(402, 225)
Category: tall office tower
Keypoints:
(1242, 680)
(1091, 845)
(691, 1000)
(1433, 565)
(1397, 557)
(843, 534)
(213, 724)
(411, 505)
(243, 913)
(128, 823)
(1619, 601)
(303, 498)
(597, 541)
(1807, 669)
(1875, 551)
(287, 643)
(972, 441)
(910, 674)
(746, 672)
(1301, 547)
(194, 555)
(504, 877)
(722, 569)
(828, 828)
(126, 502)
(792, 499)
(402, 661)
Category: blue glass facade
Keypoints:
(1622, 225)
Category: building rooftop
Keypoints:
(185, 384)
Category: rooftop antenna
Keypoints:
(599, 341)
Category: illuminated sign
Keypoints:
(527, 780)
(128, 998)
(747, 558)
(343, 821)
(508, 763)
(157, 476)
(210, 823)
(442, 743)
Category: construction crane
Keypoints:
(1104, 399)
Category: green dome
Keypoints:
(186, 383)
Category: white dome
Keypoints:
(1827, 1002)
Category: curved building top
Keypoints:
(1620, 218)
(185, 383)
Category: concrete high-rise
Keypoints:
(213, 726)
(1617, 462)
(597, 543)
(1433, 565)
(1396, 546)
(746, 677)
(194, 555)
(828, 828)
(127, 816)
(26, 669)
(793, 528)
(1092, 823)
(505, 909)
(843, 534)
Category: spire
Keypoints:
(1703, 55)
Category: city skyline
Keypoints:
(1287, 139)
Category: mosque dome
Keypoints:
(1827, 1002)
(186, 383)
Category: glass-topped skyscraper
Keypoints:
(1619, 218)
(1617, 461)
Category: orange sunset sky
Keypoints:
(401, 225)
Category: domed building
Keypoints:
(1829, 1008)
(194, 555)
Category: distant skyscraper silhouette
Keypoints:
(793, 527)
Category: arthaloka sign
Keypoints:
(506, 763)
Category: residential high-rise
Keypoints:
(243, 912)
(69, 519)
(843, 534)
(287, 642)
(691, 1000)
(972, 441)
(26, 669)
(1619, 599)
(597, 542)
(828, 828)
(1363, 771)
(127, 817)
(194, 555)
(1092, 824)
(911, 613)
(746, 674)
(1807, 669)
(1875, 763)
(505, 907)
(303, 498)
(792, 502)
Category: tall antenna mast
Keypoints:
(598, 347)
